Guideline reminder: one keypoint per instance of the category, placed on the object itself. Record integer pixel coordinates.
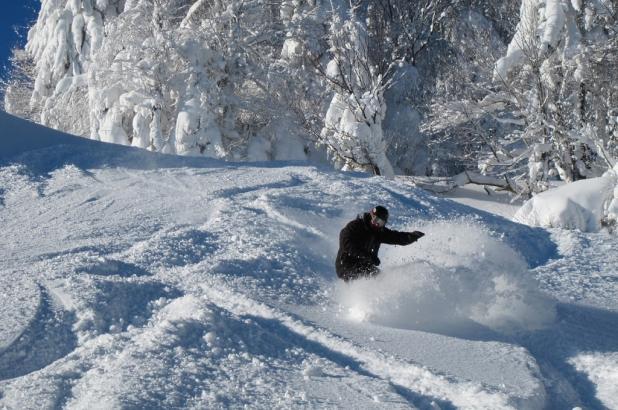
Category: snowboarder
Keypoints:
(360, 240)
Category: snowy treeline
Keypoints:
(549, 108)
(558, 73)
(429, 87)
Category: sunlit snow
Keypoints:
(138, 280)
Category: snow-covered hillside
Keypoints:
(138, 280)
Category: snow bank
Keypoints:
(583, 205)
(456, 277)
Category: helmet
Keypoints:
(379, 216)
(380, 212)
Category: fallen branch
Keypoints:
(443, 185)
(467, 177)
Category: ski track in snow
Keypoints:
(159, 282)
(47, 338)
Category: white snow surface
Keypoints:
(138, 280)
(585, 205)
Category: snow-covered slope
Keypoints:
(138, 280)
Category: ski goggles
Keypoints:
(377, 221)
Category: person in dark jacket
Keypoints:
(360, 240)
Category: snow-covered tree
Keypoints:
(151, 85)
(18, 85)
(464, 119)
(248, 79)
(63, 43)
(552, 78)
(373, 46)
(167, 75)
(404, 37)
(353, 124)
(300, 97)
(541, 112)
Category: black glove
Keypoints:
(375, 260)
(415, 236)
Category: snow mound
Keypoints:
(457, 277)
(585, 205)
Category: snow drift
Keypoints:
(586, 205)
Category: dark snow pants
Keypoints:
(358, 270)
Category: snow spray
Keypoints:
(456, 276)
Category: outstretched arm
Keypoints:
(392, 237)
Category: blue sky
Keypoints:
(15, 15)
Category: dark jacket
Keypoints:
(359, 244)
